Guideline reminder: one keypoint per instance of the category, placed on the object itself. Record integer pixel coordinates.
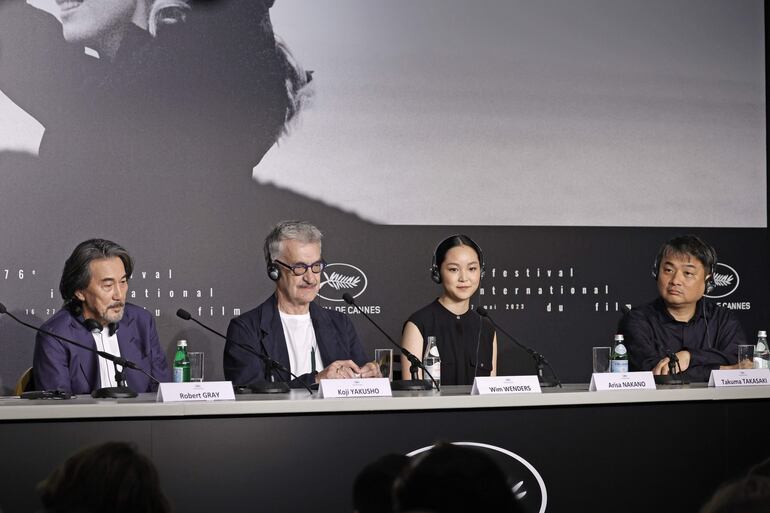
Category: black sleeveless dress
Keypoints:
(464, 342)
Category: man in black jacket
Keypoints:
(680, 322)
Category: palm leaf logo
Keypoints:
(723, 280)
(339, 281)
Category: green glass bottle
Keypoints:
(181, 363)
(619, 356)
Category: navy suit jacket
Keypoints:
(64, 366)
(335, 335)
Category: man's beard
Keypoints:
(111, 316)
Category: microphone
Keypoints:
(673, 377)
(673, 361)
(107, 392)
(415, 363)
(270, 386)
(540, 360)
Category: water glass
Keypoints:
(746, 356)
(196, 366)
(384, 360)
(601, 359)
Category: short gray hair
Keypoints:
(301, 231)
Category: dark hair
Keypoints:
(453, 478)
(453, 241)
(109, 478)
(749, 494)
(76, 274)
(373, 487)
(688, 245)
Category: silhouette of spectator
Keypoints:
(454, 479)
(373, 487)
(749, 494)
(109, 478)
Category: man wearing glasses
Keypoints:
(313, 342)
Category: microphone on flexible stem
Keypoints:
(269, 386)
(415, 363)
(672, 378)
(116, 360)
(540, 360)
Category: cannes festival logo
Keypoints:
(726, 280)
(338, 279)
(526, 482)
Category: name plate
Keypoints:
(367, 387)
(195, 391)
(740, 378)
(622, 381)
(484, 385)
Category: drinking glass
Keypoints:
(196, 366)
(384, 359)
(745, 357)
(601, 359)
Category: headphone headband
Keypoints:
(95, 326)
(694, 246)
(435, 272)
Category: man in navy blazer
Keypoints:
(94, 285)
(311, 341)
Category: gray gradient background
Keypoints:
(498, 112)
(605, 113)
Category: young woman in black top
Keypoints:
(467, 343)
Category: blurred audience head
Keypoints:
(749, 494)
(453, 479)
(373, 487)
(109, 478)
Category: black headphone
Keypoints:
(435, 272)
(95, 326)
(707, 255)
(273, 272)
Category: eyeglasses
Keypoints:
(301, 269)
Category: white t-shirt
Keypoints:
(300, 342)
(108, 344)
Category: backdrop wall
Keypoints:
(568, 138)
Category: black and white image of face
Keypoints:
(91, 22)
(509, 113)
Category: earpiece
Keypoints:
(94, 326)
(273, 272)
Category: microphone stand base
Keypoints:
(547, 384)
(668, 379)
(270, 388)
(411, 384)
(113, 393)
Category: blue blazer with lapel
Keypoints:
(334, 332)
(58, 365)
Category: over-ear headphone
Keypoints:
(435, 272)
(95, 326)
(273, 272)
(705, 253)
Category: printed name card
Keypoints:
(484, 385)
(195, 391)
(368, 387)
(739, 378)
(622, 381)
